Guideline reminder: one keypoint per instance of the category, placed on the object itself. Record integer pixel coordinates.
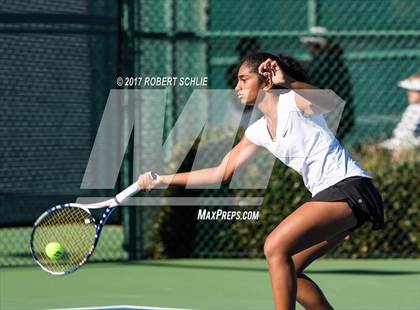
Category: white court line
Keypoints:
(120, 306)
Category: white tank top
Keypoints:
(306, 144)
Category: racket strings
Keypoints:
(73, 228)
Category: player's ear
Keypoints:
(266, 82)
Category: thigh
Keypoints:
(304, 258)
(310, 224)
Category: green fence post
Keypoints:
(312, 13)
(126, 11)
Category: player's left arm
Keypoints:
(312, 100)
(309, 99)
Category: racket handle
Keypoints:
(131, 190)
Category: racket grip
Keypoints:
(131, 190)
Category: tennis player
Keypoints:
(343, 196)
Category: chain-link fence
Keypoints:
(59, 60)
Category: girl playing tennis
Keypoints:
(292, 129)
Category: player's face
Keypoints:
(413, 96)
(248, 85)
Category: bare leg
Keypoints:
(309, 295)
(309, 225)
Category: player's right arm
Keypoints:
(222, 173)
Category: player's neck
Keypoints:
(268, 106)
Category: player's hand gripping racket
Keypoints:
(72, 232)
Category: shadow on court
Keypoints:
(228, 267)
(253, 269)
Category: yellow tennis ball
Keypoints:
(54, 250)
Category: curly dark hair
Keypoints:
(290, 66)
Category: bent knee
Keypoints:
(275, 248)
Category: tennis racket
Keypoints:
(73, 227)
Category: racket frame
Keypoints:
(98, 230)
(110, 207)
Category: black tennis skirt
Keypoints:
(362, 197)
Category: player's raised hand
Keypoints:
(148, 181)
(271, 70)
